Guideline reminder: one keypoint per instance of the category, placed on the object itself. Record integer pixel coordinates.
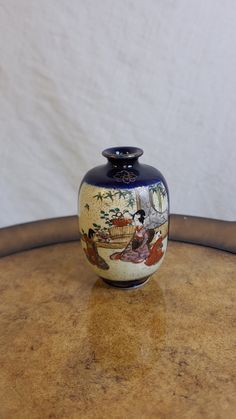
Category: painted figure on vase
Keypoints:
(92, 252)
(137, 249)
(156, 251)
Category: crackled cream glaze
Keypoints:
(110, 214)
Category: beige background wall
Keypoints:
(79, 76)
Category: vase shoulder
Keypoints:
(121, 177)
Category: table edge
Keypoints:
(208, 232)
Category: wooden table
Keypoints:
(73, 347)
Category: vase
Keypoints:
(123, 218)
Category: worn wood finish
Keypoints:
(218, 234)
(72, 347)
(214, 233)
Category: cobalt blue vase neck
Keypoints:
(123, 170)
(124, 157)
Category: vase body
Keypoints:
(123, 218)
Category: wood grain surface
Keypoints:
(72, 347)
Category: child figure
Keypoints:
(156, 251)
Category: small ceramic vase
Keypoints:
(123, 218)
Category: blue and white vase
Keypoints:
(123, 218)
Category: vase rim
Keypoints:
(122, 152)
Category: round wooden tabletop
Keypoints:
(73, 347)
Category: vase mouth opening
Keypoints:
(122, 153)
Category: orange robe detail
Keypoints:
(92, 253)
(155, 254)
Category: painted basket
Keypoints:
(124, 231)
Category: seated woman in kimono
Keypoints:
(137, 249)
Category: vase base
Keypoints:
(135, 283)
